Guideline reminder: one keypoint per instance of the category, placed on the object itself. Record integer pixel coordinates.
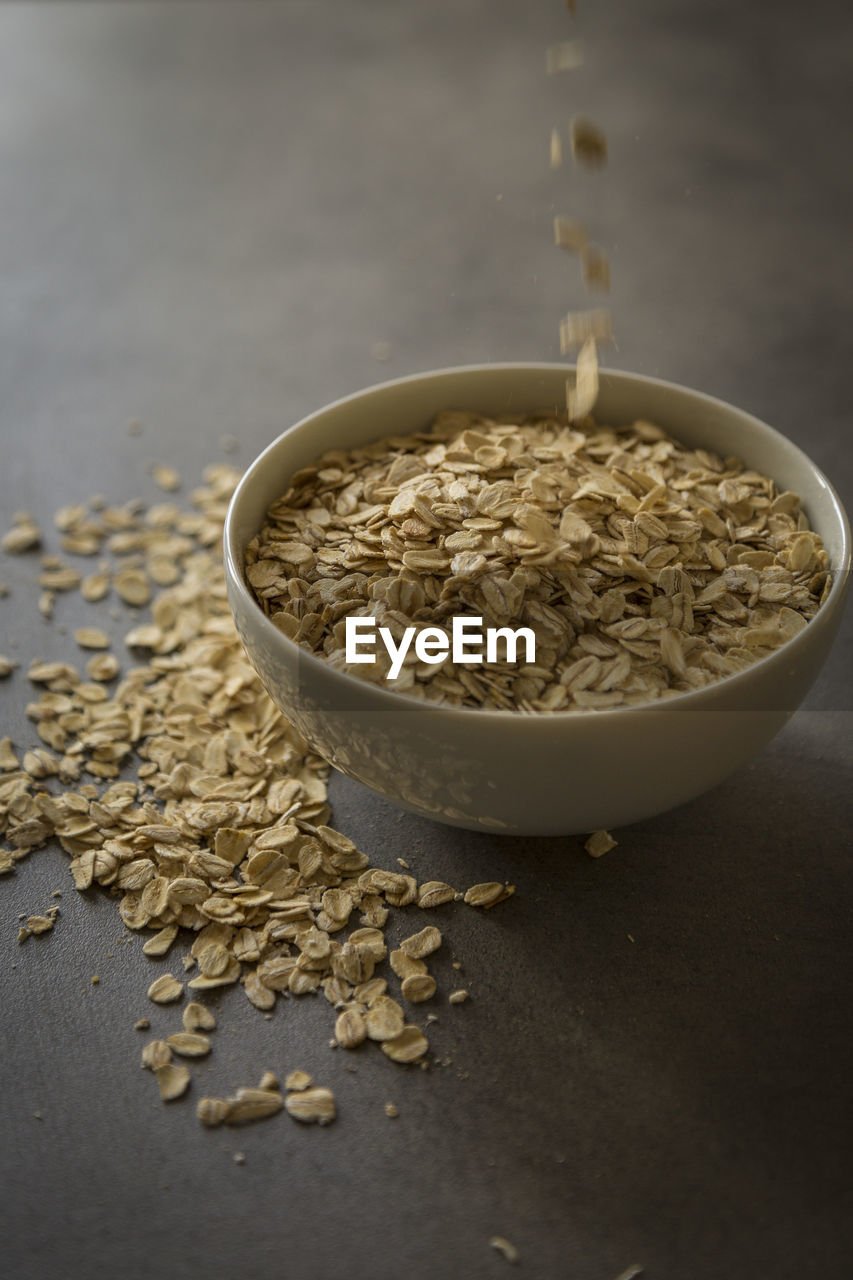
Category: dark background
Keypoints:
(209, 214)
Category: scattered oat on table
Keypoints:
(350, 1028)
(248, 1105)
(133, 586)
(418, 987)
(488, 894)
(298, 1080)
(165, 989)
(599, 843)
(156, 1054)
(423, 943)
(189, 1044)
(25, 535)
(212, 1111)
(92, 638)
(434, 893)
(311, 1106)
(58, 577)
(95, 586)
(165, 477)
(173, 1081)
(404, 966)
(36, 925)
(384, 1019)
(197, 1017)
(160, 943)
(409, 1046)
(222, 831)
(103, 667)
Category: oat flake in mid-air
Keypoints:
(505, 1247)
(582, 394)
(565, 56)
(570, 234)
(589, 145)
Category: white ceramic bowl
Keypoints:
(502, 771)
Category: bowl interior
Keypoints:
(409, 404)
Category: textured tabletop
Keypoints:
(216, 217)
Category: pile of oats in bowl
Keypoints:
(178, 787)
(645, 568)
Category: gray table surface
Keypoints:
(209, 214)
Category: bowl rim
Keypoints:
(392, 697)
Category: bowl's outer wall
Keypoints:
(540, 775)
